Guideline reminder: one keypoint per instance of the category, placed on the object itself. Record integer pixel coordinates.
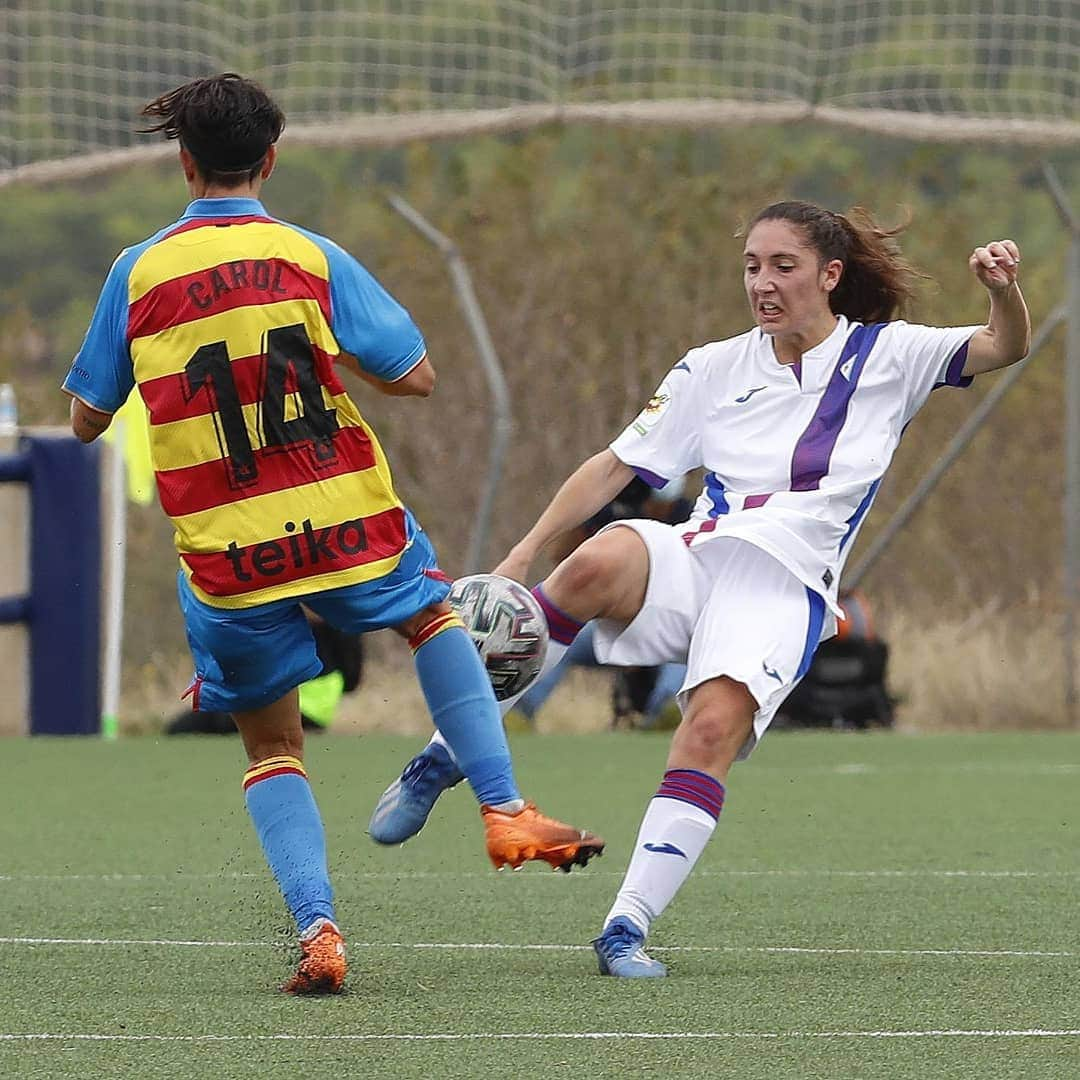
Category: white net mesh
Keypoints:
(73, 73)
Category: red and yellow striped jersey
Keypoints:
(231, 325)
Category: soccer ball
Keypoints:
(507, 625)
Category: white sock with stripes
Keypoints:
(677, 825)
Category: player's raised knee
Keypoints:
(599, 572)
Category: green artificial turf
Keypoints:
(865, 899)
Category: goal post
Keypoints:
(76, 74)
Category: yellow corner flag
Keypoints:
(136, 448)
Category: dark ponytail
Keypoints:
(877, 283)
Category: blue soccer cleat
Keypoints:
(619, 952)
(403, 808)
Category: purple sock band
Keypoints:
(562, 627)
(693, 787)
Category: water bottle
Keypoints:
(9, 412)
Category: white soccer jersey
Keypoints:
(794, 455)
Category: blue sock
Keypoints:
(290, 830)
(462, 705)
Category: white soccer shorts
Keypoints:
(724, 607)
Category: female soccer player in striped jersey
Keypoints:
(795, 423)
(233, 325)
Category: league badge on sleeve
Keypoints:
(656, 406)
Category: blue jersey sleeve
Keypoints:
(366, 320)
(101, 374)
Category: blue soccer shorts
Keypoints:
(246, 658)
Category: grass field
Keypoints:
(871, 906)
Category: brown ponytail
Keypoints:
(877, 283)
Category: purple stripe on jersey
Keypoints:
(813, 631)
(796, 370)
(562, 627)
(810, 462)
(860, 512)
(715, 490)
(751, 502)
(652, 479)
(693, 787)
(953, 373)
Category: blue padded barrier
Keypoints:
(65, 584)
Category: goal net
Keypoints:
(75, 72)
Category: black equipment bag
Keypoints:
(844, 688)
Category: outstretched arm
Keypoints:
(1007, 334)
(592, 485)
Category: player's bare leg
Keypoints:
(272, 731)
(719, 718)
(678, 823)
(604, 578)
(290, 830)
(463, 707)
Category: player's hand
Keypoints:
(996, 265)
(515, 565)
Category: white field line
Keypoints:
(437, 875)
(516, 1036)
(497, 946)
(862, 768)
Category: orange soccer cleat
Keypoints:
(322, 966)
(513, 839)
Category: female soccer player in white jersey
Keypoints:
(795, 423)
